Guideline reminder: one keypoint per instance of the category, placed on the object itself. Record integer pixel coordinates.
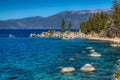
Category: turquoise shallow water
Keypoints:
(23, 58)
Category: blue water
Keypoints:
(24, 32)
(24, 58)
(21, 32)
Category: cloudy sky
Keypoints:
(14, 9)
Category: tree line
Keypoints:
(67, 26)
(63, 28)
(107, 25)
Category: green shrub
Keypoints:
(51, 32)
(117, 74)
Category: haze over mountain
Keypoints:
(51, 22)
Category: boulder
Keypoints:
(87, 68)
(95, 54)
(67, 69)
(116, 79)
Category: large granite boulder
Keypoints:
(87, 68)
(95, 54)
(67, 69)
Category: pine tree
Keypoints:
(63, 26)
(95, 24)
(114, 28)
(69, 25)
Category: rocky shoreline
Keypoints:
(63, 35)
(68, 35)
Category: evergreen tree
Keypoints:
(95, 24)
(63, 26)
(114, 28)
(107, 24)
(69, 25)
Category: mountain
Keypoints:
(51, 22)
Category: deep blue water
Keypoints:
(24, 58)
(23, 32)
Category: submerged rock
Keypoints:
(87, 68)
(95, 54)
(83, 51)
(11, 36)
(59, 67)
(78, 57)
(89, 47)
(92, 50)
(67, 69)
(13, 78)
(61, 59)
(115, 45)
(71, 59)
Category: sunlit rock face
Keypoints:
(67, 70)
(95, 54)
(87, 68)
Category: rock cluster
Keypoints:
(85, 68)
(65, 35)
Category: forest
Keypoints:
(105, 25)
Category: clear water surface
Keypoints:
(24, 58)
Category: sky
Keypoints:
(15, 9)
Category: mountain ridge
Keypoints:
(50, 22)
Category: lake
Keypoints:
(24, 58)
